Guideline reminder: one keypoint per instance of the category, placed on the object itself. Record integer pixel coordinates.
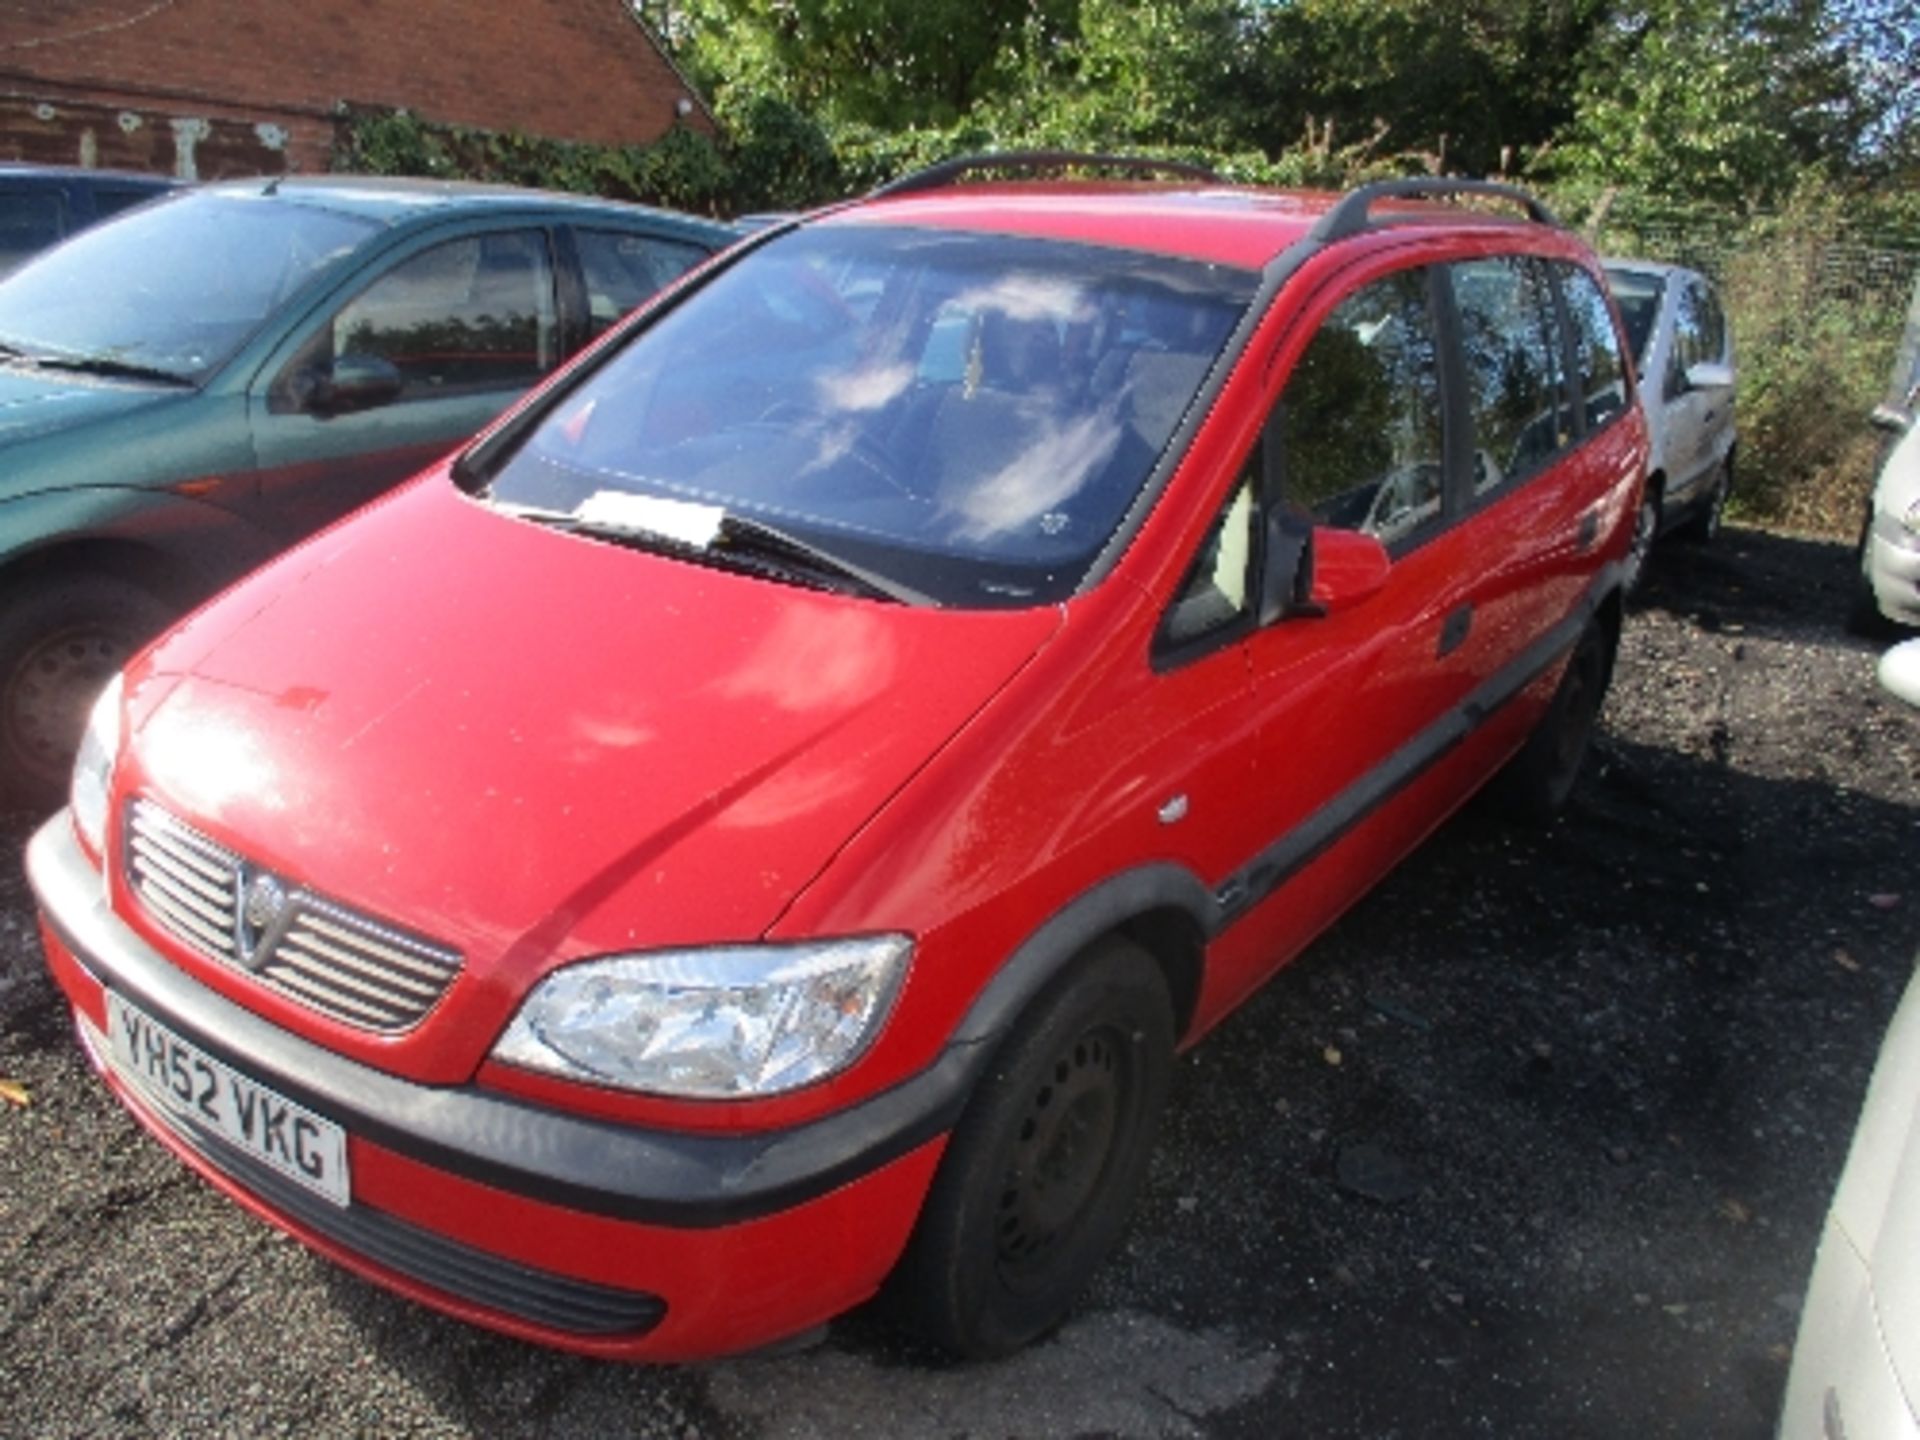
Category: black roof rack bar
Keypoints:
(948, 171)
(1350, 216)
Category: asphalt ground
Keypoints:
(1535, 1142)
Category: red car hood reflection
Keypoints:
(532, 745)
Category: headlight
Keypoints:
(93, 768)
(710, 1024)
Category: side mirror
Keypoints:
(1709, 375)
(1348, 566)
(355, 382)
(1892, 419)
(1318, 569)
(1900, 671)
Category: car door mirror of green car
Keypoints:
(353, 382)
(1318, 569)
(1709, 375)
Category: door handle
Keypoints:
(1454, 630)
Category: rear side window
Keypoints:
(1362, 418)
(622, 269)
(1515, 388)
(1600, 372)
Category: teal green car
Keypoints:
(194, 386)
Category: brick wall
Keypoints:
(564, 69)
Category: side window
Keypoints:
(1600, 374)
(30, 220)
(1218, 589)
(1515, 393)
(473, 314)
(1361, 418)
(1693, 337)
(621, 270)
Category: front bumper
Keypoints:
(1892, 565)
(554, 1227)
(1843, 1382)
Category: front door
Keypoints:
(1352, 703)
(437, 345)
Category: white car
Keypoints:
(1684, 349)
(1857, 1360)
(1889, 588)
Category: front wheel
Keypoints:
(1043, 1168)
(61, 640)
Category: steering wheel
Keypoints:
(792, 414)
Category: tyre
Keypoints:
(1041, 1172)
(1538, 780)
(1705, 522)
(61, 639)
(1646, 526)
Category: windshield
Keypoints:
(175, 288)
(966, 416)
(1637, 293)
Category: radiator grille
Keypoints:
(314, 950)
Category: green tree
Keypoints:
(1721, 100)
(1472, 84)
(891, 64)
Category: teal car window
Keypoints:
(473, 314)
(176, 287)
(621, 270)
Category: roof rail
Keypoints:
(1350, 216)
(947, 172)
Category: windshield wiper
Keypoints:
(754, 544)
(108, 365)
(742, 534)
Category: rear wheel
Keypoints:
(1043, 1168)
(1705, 524)
(61, 640)
(1538, 781)
(1646, 525)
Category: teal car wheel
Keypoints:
(60, 642)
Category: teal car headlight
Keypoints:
(93, 768)
(731, 1022)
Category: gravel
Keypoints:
(1535, 1142)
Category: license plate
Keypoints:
(259, 1122)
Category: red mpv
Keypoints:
(759, 822)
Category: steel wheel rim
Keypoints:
(45, 702)
(1062, 1150)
